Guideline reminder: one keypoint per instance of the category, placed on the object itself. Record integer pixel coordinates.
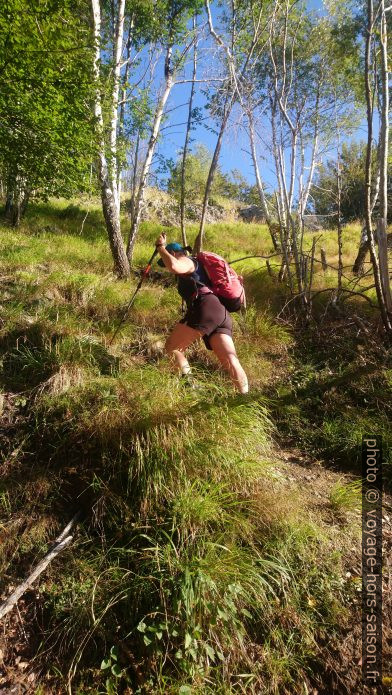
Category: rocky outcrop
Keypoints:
(253, 213)
(161, 207)
(315, 223)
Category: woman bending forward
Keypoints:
(205, 318)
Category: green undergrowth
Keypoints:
(339, 389)
(196, 567)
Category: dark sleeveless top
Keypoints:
(188, 285)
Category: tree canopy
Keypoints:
(46, 138)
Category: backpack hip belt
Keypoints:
(200, 291)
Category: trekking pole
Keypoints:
(143, 277)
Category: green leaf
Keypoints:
(222, 614)
(116, 670)
(185, 690)
(142, 626)
(114, 653)
(105, 663)
(146, 640)
(193, 653)
(209, 651)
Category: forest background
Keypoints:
(217, 541)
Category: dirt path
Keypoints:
(343, 660)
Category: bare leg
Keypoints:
(224, 349)
(180, 338)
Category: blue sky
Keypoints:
(234, 150)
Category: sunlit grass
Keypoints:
(346, 496)
(193, 548)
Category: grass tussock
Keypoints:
(196, 567)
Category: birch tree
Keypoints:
(107, 171)
(249, 110)
(383, 168)
(381, 275)
(177, 40)
(294, 85)
(240, 46)
(139, 198)
(187, 137)
(292, 98)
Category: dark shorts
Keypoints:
(209, 316)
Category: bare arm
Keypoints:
(178, 266)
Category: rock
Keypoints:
(164, 209)
(253, 213)
(314, 223)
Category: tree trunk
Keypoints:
(368, 172)
(340, 242)
(383, 151)
(186, 143)
(280, 206)
(135, 222)
(16, 202)
(121, 120)
(362, 253)
(109, 202)
(16, 212)
(8, 205)
(25, 202)
(119, 33)
(259, 183)
(305, 190)
(134, 177)
(214, 163)
(363, 242)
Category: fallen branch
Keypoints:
(60, 543)
(237, 260)
(358, 294)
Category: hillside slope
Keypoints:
(217, 547)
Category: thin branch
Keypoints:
(61, 542)
(245, 258)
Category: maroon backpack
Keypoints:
(225, 283)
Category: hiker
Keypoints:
(205, 318)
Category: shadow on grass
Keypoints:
(328, 418)
(77, 221)
(32, 354)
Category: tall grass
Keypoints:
(196, 567)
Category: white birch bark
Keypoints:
(259, 183)
(369, 52)
(135, 222)
(214, 163)
(384, 142)
(187, 138)
(235, 84)
(118, 45)
(364, 243)
(109, 203)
